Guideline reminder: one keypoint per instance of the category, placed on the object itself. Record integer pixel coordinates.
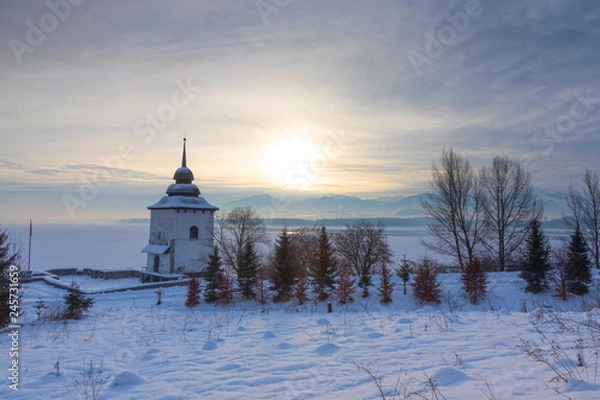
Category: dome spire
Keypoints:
(183, 177)
(183, 160)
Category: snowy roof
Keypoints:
(183, 189)
(183, 202)
(155, 249)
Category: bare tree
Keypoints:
(585, 212)
(363, 247)
(509, 205)
(236, 228)
(454, 208)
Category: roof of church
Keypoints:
(186, 202)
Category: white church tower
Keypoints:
(181, 227)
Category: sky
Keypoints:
(286, 97)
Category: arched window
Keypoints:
(194, 232)
(156, 264)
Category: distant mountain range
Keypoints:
(348, 207)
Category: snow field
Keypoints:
(285, 351)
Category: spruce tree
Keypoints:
(426, 287)
(345, 287)
(248, 268)
(536, 259)
(7, 259)
(577, 268)
(404, 272)
(213, 276)
(193, 293)
(386, 286)
(77, 302)
(284, 272)
(324, 269)
(474, 281)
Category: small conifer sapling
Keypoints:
(474, 281)
(426, 287)
(76, 302)
(193, 293)
(386, 286)
(345, 288)
(404, 272)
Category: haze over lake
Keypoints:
(119, 245)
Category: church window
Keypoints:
(194, 232)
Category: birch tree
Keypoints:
(454, 207)
(509, 205)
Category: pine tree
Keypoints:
(404, 272)
(285, 267)
(577, 269)
(426, 287)
(324, 269)
(7, 259)
(474, 281)
(77, 302)
(536, 259)
(213, 276)
(248, 268)
(345, 288)
(193, 293)
(386, 286)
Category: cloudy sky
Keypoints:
(287, 97)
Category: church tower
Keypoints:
(181, 227)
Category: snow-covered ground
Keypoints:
(284, 351)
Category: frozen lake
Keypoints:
(117, 246)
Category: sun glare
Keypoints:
(292, 164)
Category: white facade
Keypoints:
(181, 228)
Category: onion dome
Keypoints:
(183, 177)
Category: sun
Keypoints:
(292, 163)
